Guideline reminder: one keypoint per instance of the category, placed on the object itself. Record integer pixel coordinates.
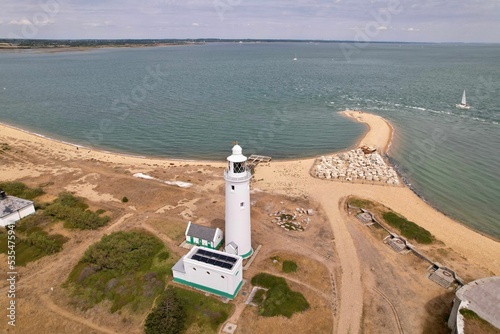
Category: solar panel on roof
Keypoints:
(201, 251)
(216, 259)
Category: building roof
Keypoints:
(483, 297)
(218, 259)
(12, 204)
(201, 232)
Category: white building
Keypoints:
(481, 296)
(211, 271)
(203, 236)
(238, 229)
(12, 209)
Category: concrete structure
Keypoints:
(481, 296)
(238, 229)
(211, 271)
(12, 209)
(203, 236)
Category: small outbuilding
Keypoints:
(211, 271)
(481, 296)
(13, 208)
(204, 236)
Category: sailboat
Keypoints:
(295, 58)
(463, 104)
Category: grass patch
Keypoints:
(203, 313)
(73, 211)
(32, 245)
(259, 296)
(475, 324)
(168, 317)
(361, 203)
(407, 228)
(124, 268)
(279, 299)
(21, 190)
(289, 266)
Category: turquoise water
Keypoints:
(194, 101)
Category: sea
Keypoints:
(278, 99)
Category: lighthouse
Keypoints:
(238, 232)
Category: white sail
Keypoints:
(464, 104)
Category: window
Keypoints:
(208, 272)
(242, 204)
(232, 187)
(222, 277)
(238, 167)
(194, 269)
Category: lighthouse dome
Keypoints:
(237, 150)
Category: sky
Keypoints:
(356, 20)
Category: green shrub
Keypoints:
(163, 255)
(33, 222)
(407, 228)
(204, 313)
(279, 299)
(289, 266)
(43, 242)
(168, 317)
(73, 211)
(259, 296)
(122, 251)
(122, 267)
(19, 189)
(124, 199)
(37, 245)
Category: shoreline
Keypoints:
(345, 113)
(288, 176)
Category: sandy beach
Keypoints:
(291, 178)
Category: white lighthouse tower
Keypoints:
(238, 231)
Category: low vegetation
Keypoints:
(289, 266)
(126, 268)
(20, 190)
(361, 203)
(73, 211)
(168, 317)
(32, 243)
(407, 228)
(279, 299)
(204, 314)
(475, 324)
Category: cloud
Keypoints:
(98, 24)
(21, 22)
(416, 20)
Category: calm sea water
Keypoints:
(194, 101)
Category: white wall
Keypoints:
(15, 216)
